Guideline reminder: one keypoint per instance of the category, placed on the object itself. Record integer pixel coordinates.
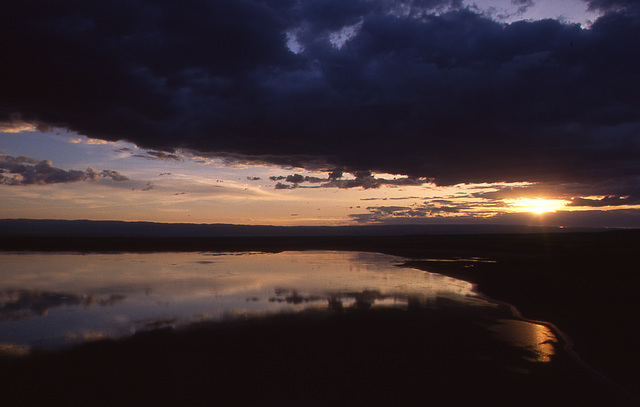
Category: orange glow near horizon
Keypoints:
(537, 205)
(187, 188)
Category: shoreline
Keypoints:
(356, 357)
(568, 347)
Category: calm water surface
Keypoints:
(52, 300)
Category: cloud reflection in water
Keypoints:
(49, 300)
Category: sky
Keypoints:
(322, 112)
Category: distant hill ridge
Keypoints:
(88, 228)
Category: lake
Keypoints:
(287, 328)
(52, 300)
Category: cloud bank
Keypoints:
(30, 171)
(424, 88)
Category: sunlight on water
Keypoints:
(538, 339)
(51, 300)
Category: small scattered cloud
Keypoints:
(363, 179)
(84, 140)
(280, 185)
(148, 187)
(114, 175)
(295, 178)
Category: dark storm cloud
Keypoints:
(29, 171)
(451, 95)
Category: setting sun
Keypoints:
(537, 205)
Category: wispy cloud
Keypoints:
(159, 155)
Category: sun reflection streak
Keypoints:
(538, 339)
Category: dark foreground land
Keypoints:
(587, 284)
(357, 357)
